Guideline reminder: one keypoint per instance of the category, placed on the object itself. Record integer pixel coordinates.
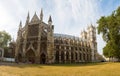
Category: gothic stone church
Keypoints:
(37, 43)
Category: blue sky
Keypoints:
(69, 16)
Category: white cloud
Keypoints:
(71, 16)
(75, 14)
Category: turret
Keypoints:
(20, 29)
(28, 19)
(92, 33)
(41, 15)
(92, 41)
(84, 35)
(50, 20)
(50, 40)
(20, 26)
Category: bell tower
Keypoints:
(50, 42)
(92, 40)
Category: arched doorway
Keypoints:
(76, 56)
(43, 58)
(67, 56)
(19, 57)
(84, 56)
(30, 55)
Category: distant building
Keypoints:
(1, 54)
(9, 52)
(112, 59)
(37, 43)
(100, 58)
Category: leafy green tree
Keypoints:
(109, 27)
(5, 38)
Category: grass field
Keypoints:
(89, 69)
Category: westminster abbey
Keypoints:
(37, 43)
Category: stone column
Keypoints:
(86, 58)
(59, 56)
(70, 57)
(78, 57)
(37, 60)
(82, 57)
(65, 56)
(92, 52)
(23, 57)
(24, 51)
(38, 45)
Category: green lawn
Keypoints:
(89, 69)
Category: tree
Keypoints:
(5, 38)
(109, 27)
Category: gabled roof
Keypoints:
(35, 18)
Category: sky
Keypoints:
(69, 16)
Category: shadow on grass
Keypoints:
(22, 65)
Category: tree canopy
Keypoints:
(5, 38)
(109, 27)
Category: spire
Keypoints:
(35, 13)
(28, 17)
(41, 15)
(20, 25)
(50, 20)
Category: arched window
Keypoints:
(57, 56)
(76, 56)
(62, 47)
(43, 58)
(67, 47)
(30, 56)
(80, 56)
(57, 47)
(67, 55)
(76, 48)
(88, 57)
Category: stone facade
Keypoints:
(37, 43)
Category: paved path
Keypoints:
(9, 63)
